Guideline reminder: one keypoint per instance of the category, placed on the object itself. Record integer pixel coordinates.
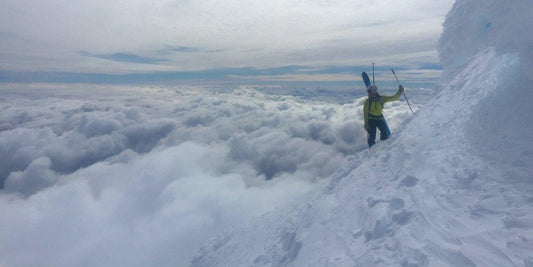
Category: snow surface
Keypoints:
(146, 176)
(453, 188)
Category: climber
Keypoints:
(373, 113)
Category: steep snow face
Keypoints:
(501, 125)
(473, 25)
(453, 188)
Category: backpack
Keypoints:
(375, 106)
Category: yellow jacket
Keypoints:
(373, 107)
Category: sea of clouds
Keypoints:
(144, 175)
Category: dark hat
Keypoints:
(372, 89)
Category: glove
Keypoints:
(400, 89)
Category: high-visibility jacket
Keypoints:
(373, 107)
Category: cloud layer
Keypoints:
(109, 175)
(147, 36)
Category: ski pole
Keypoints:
(403, 91)
(373, 77)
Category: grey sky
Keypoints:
(146, 36)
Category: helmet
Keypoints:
(372, 89)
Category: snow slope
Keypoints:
(453, 188)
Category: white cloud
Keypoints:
(117, 175)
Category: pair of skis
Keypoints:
(366, 79)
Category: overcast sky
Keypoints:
(236, 37)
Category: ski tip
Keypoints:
(366, 79)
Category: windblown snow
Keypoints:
(97, 175)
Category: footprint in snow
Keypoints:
(396, 204)
(409, 181)
(403, 217)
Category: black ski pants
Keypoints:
(380, 124)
